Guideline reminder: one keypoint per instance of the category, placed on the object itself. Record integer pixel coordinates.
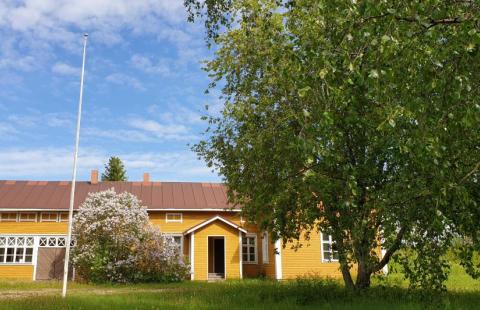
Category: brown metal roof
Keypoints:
(41, 195)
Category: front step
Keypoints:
(216, 276)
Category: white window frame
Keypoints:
(248, 252)
(9, 220)
(175, 214)
(330, 242)
(27, 220)
(177, 235)
(15, 246)
(265, 248)
(48, 220)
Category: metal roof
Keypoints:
(54, 195)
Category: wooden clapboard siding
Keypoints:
(23, 272)
(189, 220)
(232, 258)
(307, 260)
(33, 228)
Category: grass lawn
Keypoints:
(390, 293)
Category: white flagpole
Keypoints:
(74, 174)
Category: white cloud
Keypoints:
(126, 135)
(36, 118)
(56, 163)
(65, 69)
(176, 114)
(7, 131)
(147, 65)
(162, 131)
(53, 20)
(126, 80)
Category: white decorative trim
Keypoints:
(241, 253)
(278, 260)
(218, 217)
(265, 248)
(192, 256)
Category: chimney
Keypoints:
(146, 177)
(94, 177)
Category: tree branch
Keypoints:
(475, 169)
(395, 246)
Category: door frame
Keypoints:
(224, 253)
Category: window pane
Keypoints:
(326, 256)
(27, 217)
(3, 241)
(244, 249)
(325, 237)
(49, 217)
(9, 217)
(19, 255)
(2, 255)
(43, 241)
(245, 257)
(63, 217)
(244, 240)
(10, 254)
(327, 247)
(251, 241)
(28, 255)
(252, 257)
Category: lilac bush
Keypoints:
(115, 242)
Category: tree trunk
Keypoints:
(347, 277)
(363, 276)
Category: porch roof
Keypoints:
(213, 219)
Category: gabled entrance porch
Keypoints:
(215, 249)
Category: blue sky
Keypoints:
(143, 97)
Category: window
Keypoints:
(329, 249)
(16, 250)
(63, 217)
(265, 253)
(27, 217)
(178, 239)
(49, 217)
(8, 217)
(174, 217)
(249, 249)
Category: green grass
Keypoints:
(390, 293)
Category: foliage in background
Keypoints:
(116, 243)
(357, 118)
(114, 170)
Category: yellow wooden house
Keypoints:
(214, 238)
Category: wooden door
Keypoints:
(50, 263)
